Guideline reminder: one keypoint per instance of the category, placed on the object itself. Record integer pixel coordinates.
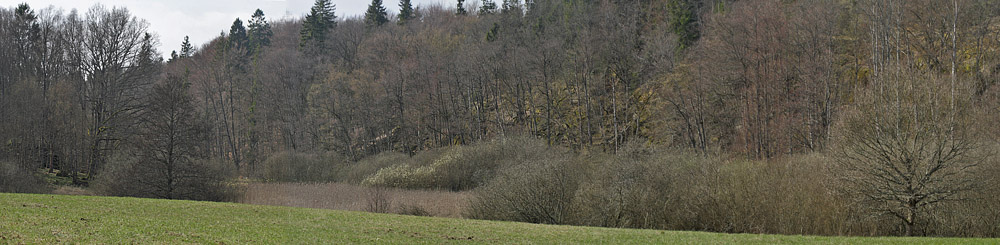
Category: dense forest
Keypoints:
(839, 117)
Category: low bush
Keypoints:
(640, 187)
(379, 200)
(404, 176)
(205, 180)
(459, 168)
(301, 167)
(651, 187)
(540, 190)
(15, 178)
(357, 172)
(644, 186)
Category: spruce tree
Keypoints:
(461, 8)
(405, 12)
(237, 35)
(511, 6)
(489, 7)
(26, 36)
(259, 31)
(317, 24)
(684, 21)
(376, 15)
(186, 49)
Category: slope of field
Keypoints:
(83, 219)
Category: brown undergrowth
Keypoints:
(349, 197)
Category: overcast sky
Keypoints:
(203, 20)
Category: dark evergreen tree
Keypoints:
(489, 7)
(494, 33)
(461, 8)
(684, 21)
(376, 15)
(259, 31)
(405, 12)
(237, 35)
(529, 4)
(186, 49)
(27, 33)
(317, 24)
(511, 6)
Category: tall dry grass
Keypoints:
(349, 197)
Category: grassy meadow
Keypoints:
(46, 219)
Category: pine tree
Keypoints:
(27, 33)
(511, 6)
(186, 49)
(489, 7)
(259, 31)
(237, 35)
(317, 24)
(376, 15)
(461, 8)
(684, 21)
(405, 12)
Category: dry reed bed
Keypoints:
(354, 198)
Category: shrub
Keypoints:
(379, 200)
(403, 176)
(459, 168)
(643, 186)
(419, 172)
(300, 167)
(357, 172)
(205, 180)
(640, 187)
(472, 166)
(15, 178)
(540, 190)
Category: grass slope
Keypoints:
(80, 219)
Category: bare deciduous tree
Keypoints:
(902, 151)
(118, 61)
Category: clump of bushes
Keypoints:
(301, 167)
(540, 190)
(405, 176)
(355, 173)
(640, 187)
(203, 179)
(15, 178)
(644, 186)
(459, 168)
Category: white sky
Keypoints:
(203, 20)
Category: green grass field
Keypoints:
(46, 219)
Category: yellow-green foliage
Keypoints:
(460, 167)
(403, 176)
(357, 172)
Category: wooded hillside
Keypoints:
(898, 98)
